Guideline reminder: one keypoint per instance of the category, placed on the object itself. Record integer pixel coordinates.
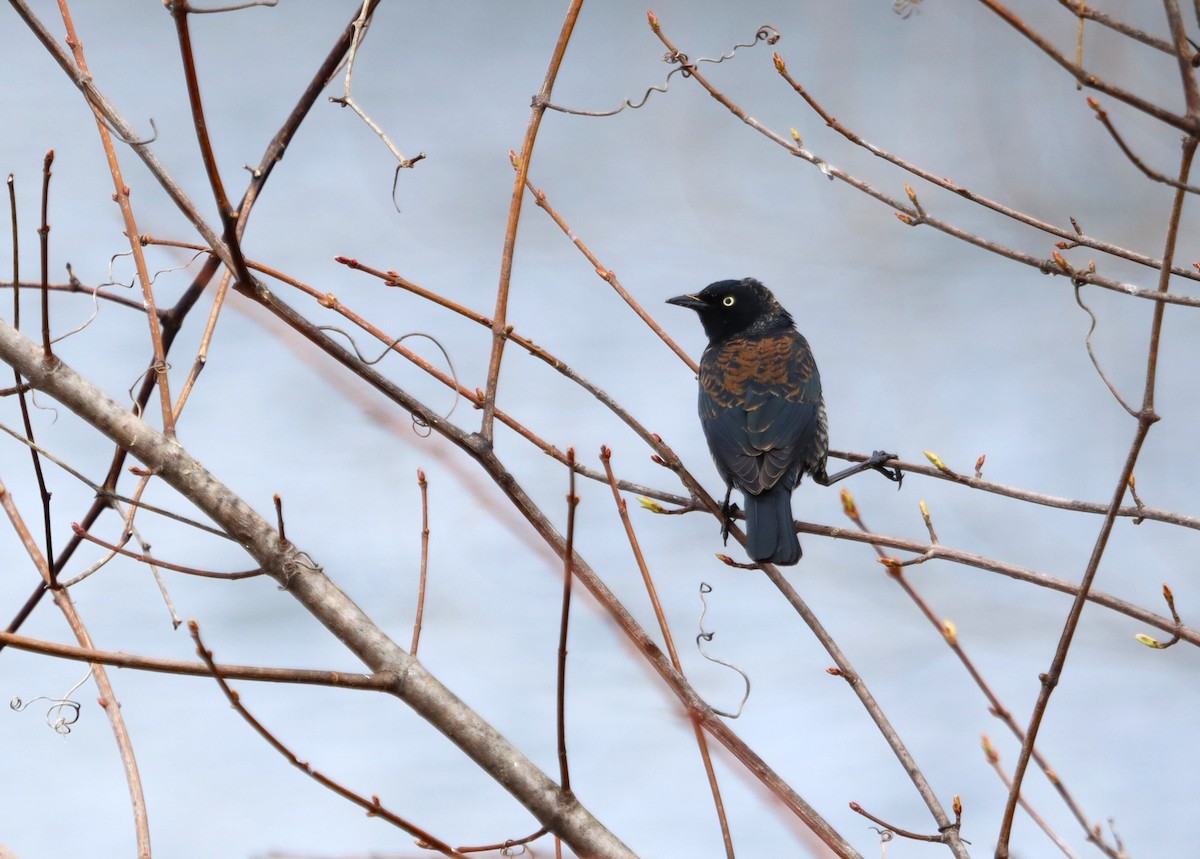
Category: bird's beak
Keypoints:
(692, 301)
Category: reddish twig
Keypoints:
(117, 659)
(121, 195)
(1146, 418)
(1183, 123)
(610, 277)
(373, 806)
(499, 318)
(1074, 235)
(895, 830)
(80, 531)
(652, 592)
(993, 758)
(949, 633)
(108, 699)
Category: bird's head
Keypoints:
(729, 308)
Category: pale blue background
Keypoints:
(924, 343)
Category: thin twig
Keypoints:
(361, 24)
(108, 699)
(121, 195)
(500, 316)
(1154, 175)
(949, 633)
(172, 319)
(21, 388)
(1146, 418)
(610, 277)
(656, 604)
(895, 830)
(44, 247)
(1073, 235)
(993, 758)
(373, 806)
(179, 10)
(1183, 123)
(423, 484)
(564, 771)
(1081, 9)
(210, 328)
(146, 559)
(117, 659)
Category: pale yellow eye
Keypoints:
(728, 300)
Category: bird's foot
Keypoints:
(877, 460)
(728, 511)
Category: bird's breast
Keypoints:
(780, 363)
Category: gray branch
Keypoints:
(304, 580)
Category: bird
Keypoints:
(763, 412)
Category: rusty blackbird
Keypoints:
(762, 411)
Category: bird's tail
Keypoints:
(770, 531)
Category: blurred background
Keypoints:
(924, 343)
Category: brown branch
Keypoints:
(121, 195)
(1186, 56)
(1146, 418)
(499, 318)
(1187, 124)
(108, 698)
(423, 485)
(1073, 235)
(993, 758)
(179, 10)
(949, 633)
(1153, 175)
(1132, 511)
(656, 604)
(564, 771)
(21, 387)
(1082, 9)
(373, 806)
(172, 320)
(610, 277)
(914, 215)
(895, 830)
(44, 247)
(297, 574)
(117, 659)
(80, 531)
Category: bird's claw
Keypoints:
(894, 474)
(727, 513)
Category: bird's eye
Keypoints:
(728, 301)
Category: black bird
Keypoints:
(762, 411)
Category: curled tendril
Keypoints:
(420, 421)
(704, 635)
(906, 8)
(62, 713)
(683, 65)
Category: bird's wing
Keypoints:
(758, 404)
